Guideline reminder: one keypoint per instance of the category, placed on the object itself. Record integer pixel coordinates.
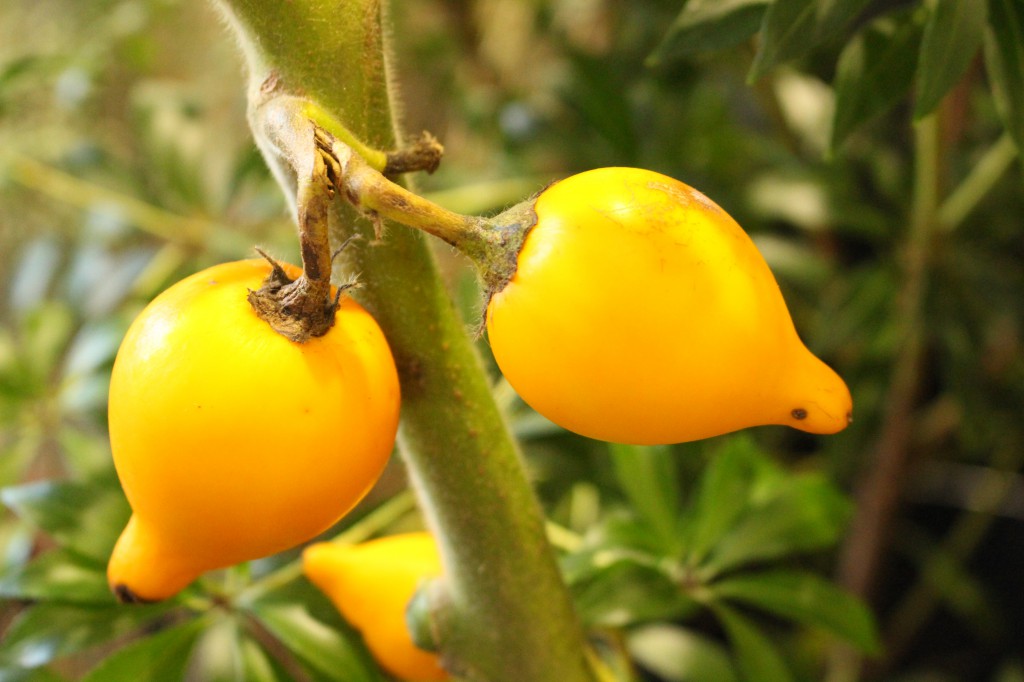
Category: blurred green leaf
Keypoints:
(602, 105)
(721, 496)
(28, 675)
(87, 453)
(756, 656)
(621, 589)
(796, 514)
(19, 67)
(162, 657)
(680, 655)
(952, 37)
(85, 517)
(58, 575)
(34, 273)
(1004, 60)
(40, 339)
(650, 479)
(792, 28)
(44, 632)
(944, 574)
(806, 598)
(707, 25)
(46, 331)
(875, 71)
(225, 654)
(325, 649)
(621, 530)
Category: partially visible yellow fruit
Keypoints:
(232, 442)
(371, 585)
(640, 312)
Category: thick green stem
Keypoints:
(504, 613)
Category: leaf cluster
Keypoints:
(883, 52)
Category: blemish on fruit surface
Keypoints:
(799, 413)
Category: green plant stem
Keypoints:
(504, 613)
(56, 184)
(982, 178)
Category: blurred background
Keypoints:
(895, 226)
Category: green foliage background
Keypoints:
(869, 146)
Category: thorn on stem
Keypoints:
(349, 240)
(277, 272)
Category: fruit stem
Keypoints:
(303, 308)
(491, 244)
(370, 190)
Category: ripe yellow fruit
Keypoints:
(232, 442)
(640, 312)
(371, 584)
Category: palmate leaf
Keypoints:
(1004, 61)
(58, 575)
(679, 655)
(756, 656)
(806, 598)
(707, 25)
(650, 479)
(792, 28)
(84, 517)
(46, 631)
(159, 658)
(952, 37)
(620, 589)
(721, 496)
(225, 653)
(875, 70)
(327, 650)
(798, 514)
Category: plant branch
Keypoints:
(505, 614)
(879, 492)
(982, 178)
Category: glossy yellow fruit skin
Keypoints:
(371, 585)
(232, 442)
(640, 312)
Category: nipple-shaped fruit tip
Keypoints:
(125, 595)
(322, 562)
(821, 402)
(142, 569)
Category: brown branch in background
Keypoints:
(880, 491)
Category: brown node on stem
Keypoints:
(423, 154)
(299, 309)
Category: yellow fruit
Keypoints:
(232, 442)
(371, 584)
(640, 312)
